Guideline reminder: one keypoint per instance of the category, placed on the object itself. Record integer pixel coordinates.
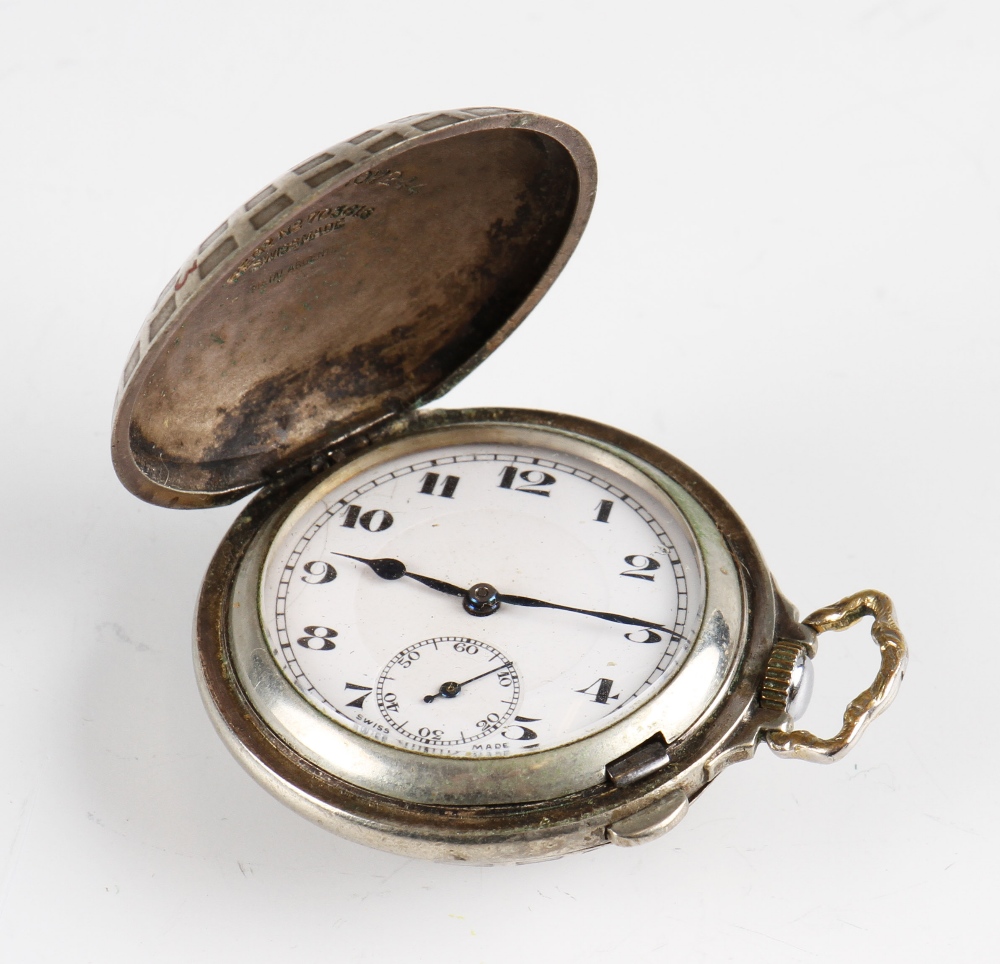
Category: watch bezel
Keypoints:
(572, 766)
(374, 792)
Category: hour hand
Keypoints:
(395, 569)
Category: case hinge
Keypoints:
(639, 762)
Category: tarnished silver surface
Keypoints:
(366, 280)
(651, 823)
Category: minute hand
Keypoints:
(610, 617)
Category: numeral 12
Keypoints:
(533, 481)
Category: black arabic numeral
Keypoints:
(604, 508)
(410, 660)
(533, 480)
(600, 689)
(519, 732)
(430, 482)
(358, 702)
(642, 566)
(318, 572)
(374, 520)
(651, 637)
(318, 638)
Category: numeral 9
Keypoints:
(318, 572)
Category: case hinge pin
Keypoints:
(639, 762)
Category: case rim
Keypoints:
(728, 730)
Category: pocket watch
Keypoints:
(489, 635)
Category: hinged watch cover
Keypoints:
(366, 281)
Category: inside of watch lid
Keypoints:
(371, 299)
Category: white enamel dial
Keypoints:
(482, 598)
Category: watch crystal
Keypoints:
(482, 598)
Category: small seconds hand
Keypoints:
(451, 689)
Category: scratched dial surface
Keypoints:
(482, 599)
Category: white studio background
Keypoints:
(789, 281)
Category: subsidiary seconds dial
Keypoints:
(448, 691)
(474, 598)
